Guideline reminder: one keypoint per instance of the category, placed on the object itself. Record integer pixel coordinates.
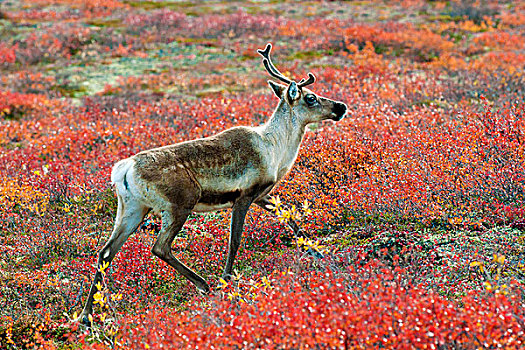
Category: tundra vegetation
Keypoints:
(412, 206)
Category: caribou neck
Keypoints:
(284, 131)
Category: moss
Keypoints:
(212, 91)
(302, 55)
(188, 7)
(13, 114)
(152, 5)
(195, 41)
(98, 22)
(71, 90)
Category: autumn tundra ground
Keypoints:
(416, 212)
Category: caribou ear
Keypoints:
(278, 89)
(293, 92)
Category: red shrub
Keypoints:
(366, 307)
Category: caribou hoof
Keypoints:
(83, 320)
(204, 290)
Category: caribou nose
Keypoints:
(339, 109)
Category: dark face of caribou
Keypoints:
(338, 111)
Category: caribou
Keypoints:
(233, 169)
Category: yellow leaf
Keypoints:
(237, 276)
(271, 207)
(103, 267)
(276, 201)
(116, 297)
(306, 205)
(98, 298)
(223, 283)
(487, 285)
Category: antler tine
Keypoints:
(266, 52)
(310, 80)
(267, 61)
(274, 72)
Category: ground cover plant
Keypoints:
(414, 203)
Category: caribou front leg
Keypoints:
(240, 208)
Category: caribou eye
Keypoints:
(310, 99)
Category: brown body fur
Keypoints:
(222, 158)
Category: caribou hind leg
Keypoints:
(172, 222)
(130, 214)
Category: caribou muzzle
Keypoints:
(338, 111)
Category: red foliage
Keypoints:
(425, 174)
(365, 307)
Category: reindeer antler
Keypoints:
(310, 80)
(274, 72)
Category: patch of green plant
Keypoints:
(427, 56)
(256, 10)
(207, 41)
(212, 91)
(469, 9)
(204, 10)
(182, 6)
(100, 22)
(441, 18)
(153, 5)
(13, 114)
(455, 36)
(71, 90)
(359, 219)
(381, 49)
(302, 55)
